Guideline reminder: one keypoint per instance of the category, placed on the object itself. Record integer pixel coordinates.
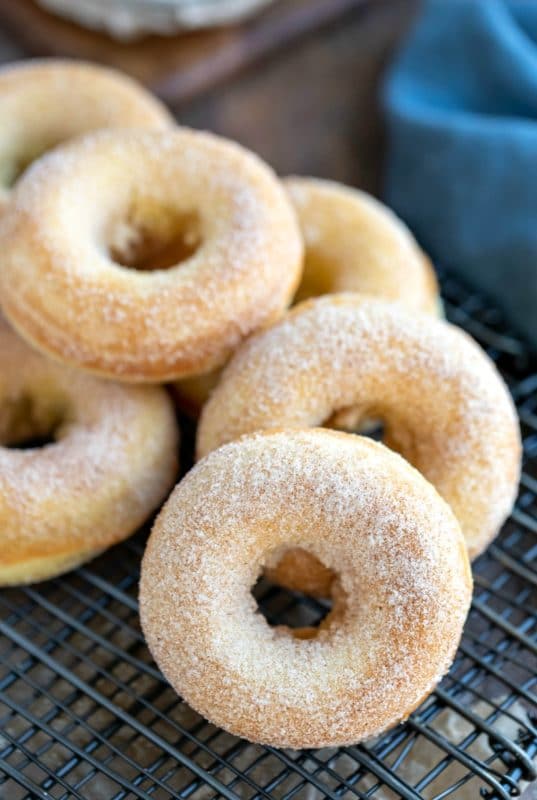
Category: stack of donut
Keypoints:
(136, 253)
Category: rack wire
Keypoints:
(85, 713)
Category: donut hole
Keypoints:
(298, 594)
(27, 423)
(151, 237)
(355, 420)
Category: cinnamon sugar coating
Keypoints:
(403, 588)
(354, 243)
(46, 102)
(444, 406)
(112, 460)
(83, 210)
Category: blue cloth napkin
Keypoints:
(461, 107)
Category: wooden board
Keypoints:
(183, 65)
(314, 109)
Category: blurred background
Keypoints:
(295, 80)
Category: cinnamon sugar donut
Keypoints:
(111, 460)
(403, 588)
(83, 214)
(46, 102)
(353, 243)
(443, 404)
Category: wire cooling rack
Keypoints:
(85, 713)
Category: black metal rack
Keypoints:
(84, 712)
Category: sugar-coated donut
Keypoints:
(112, 198)
(354, 243)
(403, 588)
(112, 459)
(46, 102)
(444, 406)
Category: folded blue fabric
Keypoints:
(461, 106)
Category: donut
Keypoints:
(108, 457)
(93, 225)
(46, 102)
(402, 590)
(353, 243)
(444, 406)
